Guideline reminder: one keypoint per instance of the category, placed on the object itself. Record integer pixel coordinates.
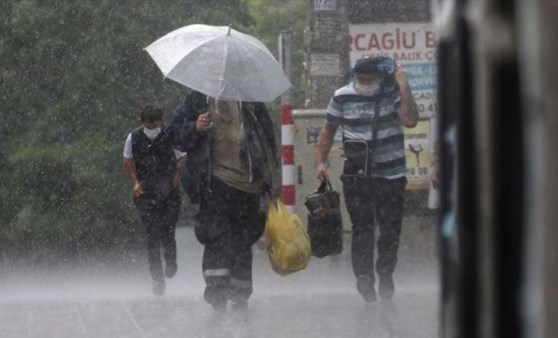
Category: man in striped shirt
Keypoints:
(372, 112)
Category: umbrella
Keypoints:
(220, 62)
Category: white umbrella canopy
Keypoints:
(220, 62)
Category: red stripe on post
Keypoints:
(287, 152)
(286, 114)
(288, 197)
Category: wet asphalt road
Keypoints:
(321, 301)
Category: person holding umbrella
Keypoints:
(231, 145)
(154, 169)
(224, 126)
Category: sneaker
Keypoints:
(170, 269)
(386, 287)
(158, 288)
(365, 286)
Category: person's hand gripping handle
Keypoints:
(203, 122)
(321, 172)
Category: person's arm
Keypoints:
(180, 163)
(189, 122)
(321, 151)
(262, 116)
(130, 169)
(408, 112)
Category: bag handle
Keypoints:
(325, 186)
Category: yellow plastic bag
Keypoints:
(288, 244)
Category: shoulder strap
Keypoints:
(374, 131)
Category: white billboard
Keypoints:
(413, 45)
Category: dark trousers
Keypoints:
(229, 224)
(366, 200)
(159, 219)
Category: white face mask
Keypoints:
(367, 90)
(152, 133)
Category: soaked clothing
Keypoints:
(234, 162)
(373, 174)
(258, 152)
(153, 158)
(159, 220)
(228, 162)
(379, 199)
(159, 205)
(373, 119)
(231, 224)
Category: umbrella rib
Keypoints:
(259, 71)
(224, 65)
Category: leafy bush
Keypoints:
(73, 78)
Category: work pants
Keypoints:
(229, 224)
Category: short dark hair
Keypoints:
(151, 114)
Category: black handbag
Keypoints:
(325, 227)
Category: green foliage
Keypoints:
(73, 78)
(271, 17)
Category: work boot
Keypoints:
(365, 286)
(239, 304)
(239, 300)
(239, 297)
(159, 288)
(170, 269)
(216, 296)
(386, 287)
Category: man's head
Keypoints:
(369, 70)
(151, 117)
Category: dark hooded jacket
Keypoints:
(197, 145)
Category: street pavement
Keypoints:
(108, 300)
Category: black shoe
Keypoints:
(170, 269)
(365, 286)
(219, 305)
(239, 304)
(386, 287)
(158, 288)
(217, 297)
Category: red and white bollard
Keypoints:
(287, 155)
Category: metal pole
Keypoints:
(287, 126)
(285, 56)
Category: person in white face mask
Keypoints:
(367, 84)
(372, 112)
(154, 169)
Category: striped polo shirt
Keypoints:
(355, 113)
